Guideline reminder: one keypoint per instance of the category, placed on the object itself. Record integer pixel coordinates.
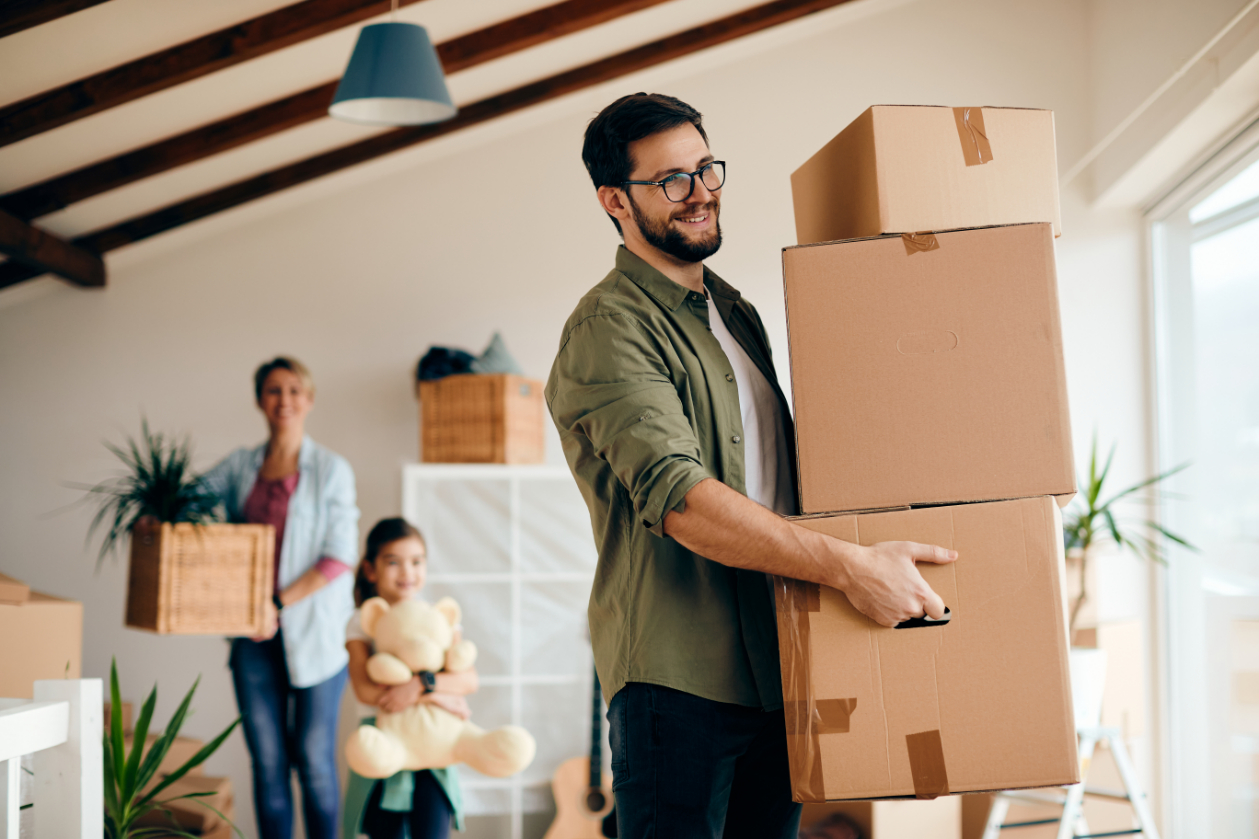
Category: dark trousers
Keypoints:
(429, 817)
(692, 768)
(288, 728)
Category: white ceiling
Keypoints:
(118, 31)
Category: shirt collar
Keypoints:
(664, 290)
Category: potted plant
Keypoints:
(134, 806)
(188, 574)
(1089, 522)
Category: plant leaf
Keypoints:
(115, 722)
(138, 740)
(192, 762)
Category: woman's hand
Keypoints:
(451, 702)
(270, 622)
(400, 697)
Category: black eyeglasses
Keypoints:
(679, 186)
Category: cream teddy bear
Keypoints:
(410, 637)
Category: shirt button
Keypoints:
(734, 439)
(729, 378)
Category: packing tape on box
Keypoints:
(926, 763)
(919, 242)
(970, 129)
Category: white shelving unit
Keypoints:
(513, 545)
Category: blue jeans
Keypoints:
(692, 768)
(288, 728)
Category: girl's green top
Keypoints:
(396, 796)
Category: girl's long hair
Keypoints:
(385, 531)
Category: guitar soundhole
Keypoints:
(596, 800)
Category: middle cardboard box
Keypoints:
(982, 702)
(928, 369)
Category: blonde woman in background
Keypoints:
(289, 680)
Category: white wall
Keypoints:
(498, 229)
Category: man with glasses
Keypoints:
(672, 421)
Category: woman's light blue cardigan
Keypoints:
(322, 521)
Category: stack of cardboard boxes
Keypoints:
(930, 406)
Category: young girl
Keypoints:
(393, 567)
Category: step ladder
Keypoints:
(1071, 824)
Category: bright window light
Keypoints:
(1239, 190)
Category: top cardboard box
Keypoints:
(907, 169)
(928, 377)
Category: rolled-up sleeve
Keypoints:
(611, 386)
(340, 540)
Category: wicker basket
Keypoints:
(481, 418)
(212, 579)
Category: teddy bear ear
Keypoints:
(449, 610)
(372, 611)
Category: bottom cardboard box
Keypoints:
(939, 819)
(982, 702)
(189, 813)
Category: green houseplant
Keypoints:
(128, 794)
(1089, 520)
(159, 484)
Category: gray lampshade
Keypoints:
(394, 78)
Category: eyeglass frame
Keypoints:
(693, 176)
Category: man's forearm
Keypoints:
(881, 580)
(728, 527)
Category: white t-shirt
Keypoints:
(354, 632)
(766, 459)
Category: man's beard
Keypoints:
(662, 236)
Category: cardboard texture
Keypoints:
(42, 639)
(13, 591)
(188, 813)
(928, 377)
(910, 168)
(939, 819)
(181, 751)
(981, 703)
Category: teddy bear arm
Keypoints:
(460, 657)
(386, 669)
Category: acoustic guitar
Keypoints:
(583, 797)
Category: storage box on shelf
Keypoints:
(190, 579)
(42, 639)
(911, 168)
(982, 702)
(481, 418)
(928, 377)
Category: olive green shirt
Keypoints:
(647, 406)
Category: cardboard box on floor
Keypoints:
(181, 751)
(127, 714)
(13, 591)
(980, 703)
(932, 377)
(43, 640)
(938, 819)
(189, 814)
(911, 168)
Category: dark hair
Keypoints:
(630, 118)
(385, 531)
(281, 362)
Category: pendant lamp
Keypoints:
(394, 78)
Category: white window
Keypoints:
(1205, 240)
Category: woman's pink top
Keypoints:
(268, 503)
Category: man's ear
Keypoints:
(372, 611)
(613, 202)
(450, 610)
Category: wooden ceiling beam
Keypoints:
(703, 37)
(460, 53)
(16, 15)
(37, 250)
(181, 63)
